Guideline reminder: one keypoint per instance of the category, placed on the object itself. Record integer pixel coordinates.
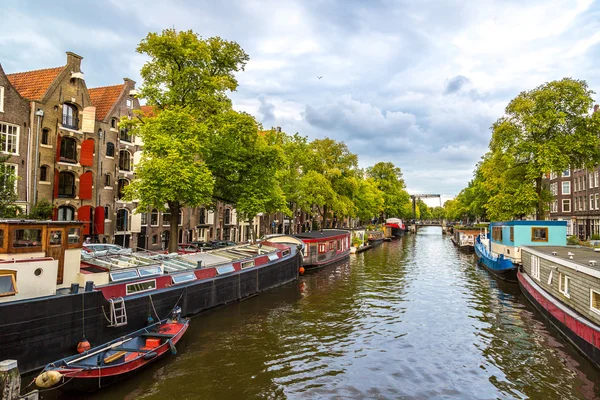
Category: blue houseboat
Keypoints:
(500, 250)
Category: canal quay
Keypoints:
(411, 319)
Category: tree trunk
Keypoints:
(324, 225)
(293, 220)
(540, 214)
(174, 209)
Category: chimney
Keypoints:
(596, 107)
(74, 60)
(278, 129)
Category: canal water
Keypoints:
(411, 319)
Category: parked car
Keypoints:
(218, 244)
(203, 245)
(187, 248)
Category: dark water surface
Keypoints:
(410, 319)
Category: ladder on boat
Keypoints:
(118, 313)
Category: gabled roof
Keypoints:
(33, 85)
(148, 111)
(103, 98)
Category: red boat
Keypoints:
(397, 226)
(103, 365)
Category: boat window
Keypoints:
(512, 234)
(1, 237)
(27, 238)
(74, 236)
(285, 253)
(539, 234)
(150, 271)
(247, 264)
(141, 286)
(121, 275)
(535, 267)
(305, 251)
(273, 256)
(331, 245)
(55, 237)
(497, 233)
(8, 283)
(595, 301)
(322, 248)
(225, 269)
(183, 278)
(563, 284)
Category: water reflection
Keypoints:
(412, 318)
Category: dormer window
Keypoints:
(69, 118)
(113, 123)
(130, 104)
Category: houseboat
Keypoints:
(375, 237)
(563, 283)
(500, 250)
(464, 239)
(396, 226)
(53, 295)
(358, 240)
(320, 247)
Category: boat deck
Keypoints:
(581, 255)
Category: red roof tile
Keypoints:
(104, 97)
(34, 84)
(148, 111)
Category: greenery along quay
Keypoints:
(550, 128)
(198, 150)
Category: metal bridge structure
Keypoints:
(414, 198)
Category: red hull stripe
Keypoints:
(581, 327)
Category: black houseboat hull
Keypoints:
(36, 332)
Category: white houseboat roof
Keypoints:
(572, 256)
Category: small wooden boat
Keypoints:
(112, 361)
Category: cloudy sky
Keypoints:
(417, 83)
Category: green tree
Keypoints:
(171, 172)
(369, 200)
(8, 194)
(549, 128)
(42, 210)
(389, 180)
(244, 165)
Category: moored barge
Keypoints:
(500, 252)
(320, 247)
(464, 239)
(50, 299)
(563, 284)
(395, 226)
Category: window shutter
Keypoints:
(56, 176)
(99, 221)
(84, 214)
(85, 186)
(57, 149)
(89, 119)
(87, 153)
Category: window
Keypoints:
(107, 180)
(497, 233)
(247, 264)
(27, 238)
(566, 187)
(535, 267)
(227, 219)
(8, 283)
(45, 136)
(166, 217)
(202, 216)
(1, 237)
(66, 184)
(154, 217)
(124, 160)
(125, 135)
(66, 213)
(322, 248)
(9, 138)
(154, 239)
(595, 178)
(596, 198)
(122, 220)
(110, 149)
(107, 212)
(121, 186)
(69, 117)
(591, 180)
(566, 173)
(68, 149)
(129, 103)
(180, 218)
(512, 234)
(113, 123)
(1, 98)
(566, 205)
(563, 284)
(144, 218)
(331, 245)
(552, 175)
(55, 237)
(539, 234)
(594, 301)
(44, 173)
(140, 286)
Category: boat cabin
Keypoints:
(507, 238)
(319, 247)
(38, 258)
